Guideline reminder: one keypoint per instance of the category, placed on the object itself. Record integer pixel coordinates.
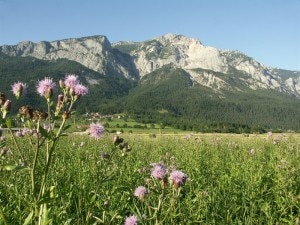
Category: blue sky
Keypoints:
(267, 30)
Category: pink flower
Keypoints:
(26, 131)
(131, 220)
(141, 192)
(71, 80)
(80, 90)
(18, 89)
(269, 134)
(7, 105)
(159, 171)
(177, 178)
(45, 87)
(19, 133)
(96, 130)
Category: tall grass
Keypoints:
(232, 179)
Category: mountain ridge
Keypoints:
(133, 60)
(169, 95)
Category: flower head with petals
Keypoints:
(159, 171)
(131, 220)
(178, 178)
(80, 90)
(96, 130)
(71, 80)
(19, 88)
(45, 87)
(141, 192)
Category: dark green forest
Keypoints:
(166, 96)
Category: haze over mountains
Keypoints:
(154, 67)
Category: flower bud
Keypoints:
(5, 108)
(2, 98)
(62, 84)
(72, 92)
(66, 115)
(38, 115)
(7, 105)
(48, 94)
(26, 111)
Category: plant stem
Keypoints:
(17, 145)
(33, 185)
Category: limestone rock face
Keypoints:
(184, 52)
(95, 53)
(207, 66)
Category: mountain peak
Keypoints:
(177, 38)
(133, 60)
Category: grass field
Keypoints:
(232, 179)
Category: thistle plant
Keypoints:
(157, 200)
(43, 130)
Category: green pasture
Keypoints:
(233, 179)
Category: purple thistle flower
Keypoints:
(19, 133)
(45, 87)
(141, 192)
(18, 89)
(131, 220)
(159, 171)
(80, 90)
(178, 178)
(96, 130)
(71, 80)
(26, 131)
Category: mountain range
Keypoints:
(171, 79)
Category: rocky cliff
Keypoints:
(190, 55)
(207, 66)
(95, 53)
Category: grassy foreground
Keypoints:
(232, 179)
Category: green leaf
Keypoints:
(9, 123)
(67, 127)
(45, 219)
(14, 167)
(44, 133)
(9, 167)
(28, 219)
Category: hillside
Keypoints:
(102, 89)
(170, 96)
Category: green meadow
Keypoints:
(232, 179)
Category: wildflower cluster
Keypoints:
(43, 129)
(280, 138)
(153, 193)
(176, 178)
